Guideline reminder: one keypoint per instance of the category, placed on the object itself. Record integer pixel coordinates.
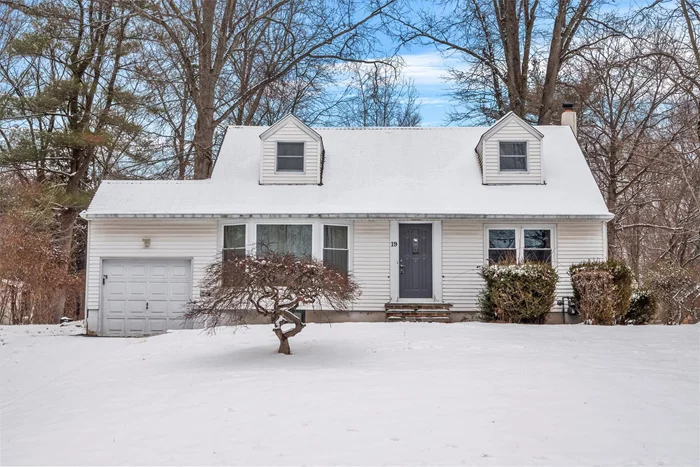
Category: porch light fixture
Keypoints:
(146, 242)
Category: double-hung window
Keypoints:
(335, 247)
(502, 246)
(537, 245)
(519, 244)
(293, 239)
(234, 241)
(513, 156)
(290, 157)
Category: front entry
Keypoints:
(416, 260)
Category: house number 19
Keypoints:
(394, 243)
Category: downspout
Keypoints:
(87, 267)
(323, 163)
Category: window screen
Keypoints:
(502, 246)
(335, 247)
(234, 241)
(290, 157)
(537, 245)
(284, 239)
(513, 156)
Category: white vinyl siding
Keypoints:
(511, 132)
(462, 258)
(290, 133)
(463, 254)
(371, 253)
(123, 238)
(577, 242)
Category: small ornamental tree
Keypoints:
(274, 286)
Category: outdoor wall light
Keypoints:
(146, 242)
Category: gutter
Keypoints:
(394, 216)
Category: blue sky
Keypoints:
(427, 68)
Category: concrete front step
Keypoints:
(425, 316)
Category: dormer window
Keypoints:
(291, 154)
(513, 156)
(290, 157)
(510, 153)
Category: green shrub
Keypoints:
(517, 293)
(642, 307)
(602, 290)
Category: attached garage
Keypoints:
(142, 297)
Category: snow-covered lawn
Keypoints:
(398, 393)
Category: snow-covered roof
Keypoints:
(371, 172)
(503, 121)
(290, 117)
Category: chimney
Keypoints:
(568, 117)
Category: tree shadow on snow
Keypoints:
(261, 357)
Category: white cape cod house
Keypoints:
(410, 213)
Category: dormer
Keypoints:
(292, 154)
(510, 152)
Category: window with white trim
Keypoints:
(519, 244)
(294, 239)
(290, 157)
(513, 156)
(502, 246)
(234, 241)
(335, 247)
(537, 245)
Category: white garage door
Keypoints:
(143, 297)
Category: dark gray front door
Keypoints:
(416, 260)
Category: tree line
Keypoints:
(142, 89)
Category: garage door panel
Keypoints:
(157, 290)
(159, 271)
(178, 289)
(136, 325)
(115, 270)
(115, 325)
(116, 306)
(136, 307)
(116, 288)
(177, 308)
(143, 297)
(137, 270)
(158, 325)
(179, 271)
(158, 307)
(137, 290)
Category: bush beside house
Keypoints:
(602, 290)
(517, 293)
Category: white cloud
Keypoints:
(429, 68)
(433, 101)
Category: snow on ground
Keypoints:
(397, 393)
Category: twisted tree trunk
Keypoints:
(287, 317)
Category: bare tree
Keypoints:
(639, 131)
(377, 95)
(513, 49)
(232, 51)
(274, 286)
